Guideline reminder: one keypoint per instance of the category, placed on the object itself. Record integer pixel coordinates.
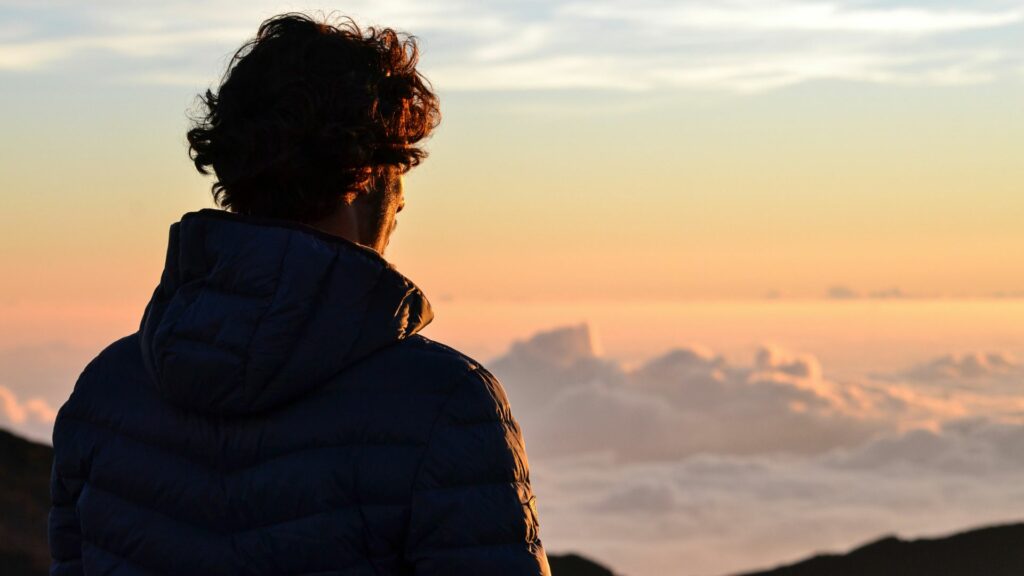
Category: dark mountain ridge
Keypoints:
(993, 551)
(24, 504)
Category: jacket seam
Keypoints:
(321, 288)
(354, 344)
(150, 570)
(235, 293)
(104, 426)
(437, 419)
(226, 532)
(245, 385)
(122, 557)
(221, 347)
(136, 504)
(426, 450)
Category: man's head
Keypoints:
(317, 122)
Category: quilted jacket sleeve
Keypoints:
(66, 481)
(473, 510)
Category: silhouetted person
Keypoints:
(276, 413)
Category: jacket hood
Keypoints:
(253, 312)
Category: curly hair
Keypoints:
(310, 112)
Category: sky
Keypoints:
(609, 150)
(797, 217)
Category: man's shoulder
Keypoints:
(430, 360)
(110, 369)
(123, 354)
(425, 355)
(469, 380)
(440, 351)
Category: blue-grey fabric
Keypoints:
(277, 414)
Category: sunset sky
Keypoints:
(665, 150)
(842, 177)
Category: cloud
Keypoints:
(34, 380)
(970, 383)
(36, 54)
(690, 401)
(966, 366)
(550, 362)
(640, 499)
(893, 292)
(842, 293)
(721, 514)
(33, 409)
(694, 464)
(969, 447)
(738, 45)
(32, 417)
(754, 15)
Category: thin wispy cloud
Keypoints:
(737, 45)
(33, 55)
(758, 15)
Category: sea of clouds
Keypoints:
(689, 464)
(694, 465)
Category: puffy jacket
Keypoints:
(277, 414)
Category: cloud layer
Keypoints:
(690, 464)
(690, 401)
(732, 45)
(715, 514)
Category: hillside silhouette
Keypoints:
(994, 551)
(25, 503)
(575, 565)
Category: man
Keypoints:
(277, 413)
